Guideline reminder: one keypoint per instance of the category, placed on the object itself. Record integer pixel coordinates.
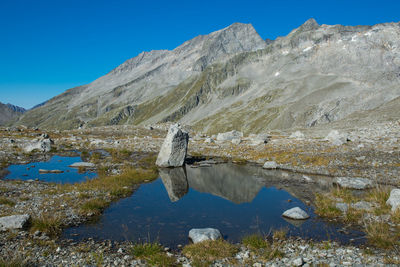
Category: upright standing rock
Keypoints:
(173, 150)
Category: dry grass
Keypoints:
(379, 235)
(153, 253)
(206, 252)
(280, 234)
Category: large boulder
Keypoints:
(173, 150)
(296, 214)
(229, 136)
(270, 165)
(258, 139)
(14, 222)
(394, 199)
(203, 234)
(353, 183)
(336, 138)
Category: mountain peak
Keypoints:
(310, 24)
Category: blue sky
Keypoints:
(48, 46)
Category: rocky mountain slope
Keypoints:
(9, 113)
(233, 79)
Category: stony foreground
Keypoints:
(372, 153)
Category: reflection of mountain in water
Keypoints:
(228, 181)
(175, 182)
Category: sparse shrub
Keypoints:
(46, 223)
(255, 241)
(7, 201)
(204, 253)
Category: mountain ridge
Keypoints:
(233, 79)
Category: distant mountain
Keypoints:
(9, 113)
(233, 79)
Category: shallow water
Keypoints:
(31, 171)
(237, 200)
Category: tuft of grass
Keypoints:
(206, 252)
(14, 262)
(280, 234)
(153, 254)
(7, 201)
(96, 205)
(379, 195)
(379, 235)
(255, 241)
(46, 223)
(325, 207)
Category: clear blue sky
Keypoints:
(48, 46)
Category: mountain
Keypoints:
(9, 113)
(233, 79)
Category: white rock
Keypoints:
(258, 139)
(394, 199)
(173, 150)
(336, 138)
(209, 140)
(228, 136)
(353, 183)
(297, 135)
(297, 262)
(270, 165)
(14, 222)
(202, 234)
(296, 214)
(343, 207)
(236, 141)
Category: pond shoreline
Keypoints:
(43, 248)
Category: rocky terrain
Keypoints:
(231, 79)
(317, 155)
(9, 113)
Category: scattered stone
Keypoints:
(296, 214)
(362, 205)
(394, 199)
(82, 165)
(228, 136)
(270, 165)
(14, 222)
(173, 150)
(353, 183)
(298, 262)
(198, 235)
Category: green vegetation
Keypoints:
(325, 207)
(255, 242)
(94, 206)
(204, 253)
(261, 247)
(379, 235)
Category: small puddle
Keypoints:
(237, 200)
(58, 171)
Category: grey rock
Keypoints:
(173, 150)
(209, 140)
(296, 214)
(394, 199)
(270, 165)
(175, 182)
(202, 234)
(50, 171)
(9, 113)
(362, 205)
(236, 141)
(82, 164)
(297, 262)
(343, 207)
(229, 136)
(14, 222)
(353, 183)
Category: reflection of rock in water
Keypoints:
(295, 223)
(175, 182)
(228, 181)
